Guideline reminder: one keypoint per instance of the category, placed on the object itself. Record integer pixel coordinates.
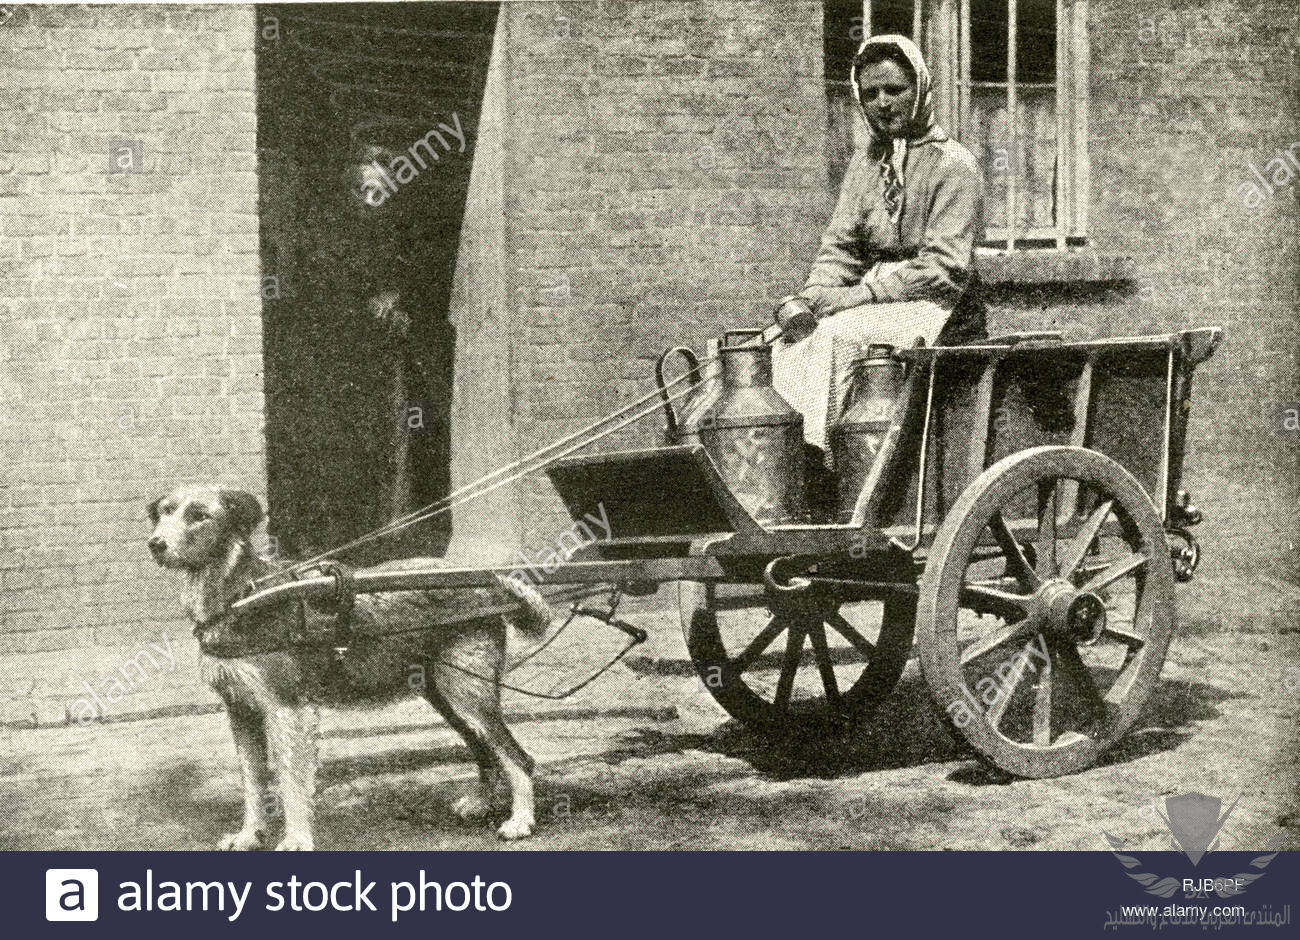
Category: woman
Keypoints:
(896, 262)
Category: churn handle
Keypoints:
(689, 355)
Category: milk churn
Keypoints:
(856, 437)
(753, 435)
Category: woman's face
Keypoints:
(888, 97)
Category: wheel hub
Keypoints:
(1072, 614)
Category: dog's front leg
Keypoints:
(293, 744)
(249, 731)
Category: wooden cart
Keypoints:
(1024, 523)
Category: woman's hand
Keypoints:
(826, 301)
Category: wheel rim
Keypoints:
(793, 666)
(1042, 659)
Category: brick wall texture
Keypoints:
(664, 177)
(130, 330)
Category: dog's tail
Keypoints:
(535, 616)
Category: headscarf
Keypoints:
(920, 129)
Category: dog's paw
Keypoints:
(296, 842)
(245, 840)
(516, 827)
(471, 808)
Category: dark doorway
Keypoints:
(366, 121)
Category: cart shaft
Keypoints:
(433, 579)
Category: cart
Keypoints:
(1023, 525)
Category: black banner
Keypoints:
(584, 894)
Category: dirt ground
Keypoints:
(643, 759)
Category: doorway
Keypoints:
(366, 119)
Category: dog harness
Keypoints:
(325, 623)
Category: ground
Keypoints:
(643, 759)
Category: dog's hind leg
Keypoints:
(249, 731)
(471, 702)
(292, 736)
(477, 804)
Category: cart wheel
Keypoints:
(1077, 635)
(839, 661)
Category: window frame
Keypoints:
(941, 28)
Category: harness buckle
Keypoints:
(343, 600)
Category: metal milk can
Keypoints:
(753, 435)
(856, 437)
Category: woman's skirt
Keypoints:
(814, 374)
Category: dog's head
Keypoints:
(195, 526)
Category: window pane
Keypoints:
(1036, 41)
(841, 36)
(988, 40)
(842, 30)
(891, 16)
(1030, 157)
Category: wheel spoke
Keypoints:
(1072, 666)
(846, 630)
(793, 652)
(822, 652)
(985, 599)
(758, 645)
(1017, 565)
(1078, 548)
(1045, 544)
(1130, 639)
(1123, 684)
(998, 709)
(1133, 641)
(1116, 570)
(1001, 637)
(1043, 705)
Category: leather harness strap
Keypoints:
(226, 636)
(345, 599)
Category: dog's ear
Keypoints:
(244, 509)
(152, 510)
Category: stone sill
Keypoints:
(1051, 266)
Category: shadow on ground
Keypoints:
(645, 788)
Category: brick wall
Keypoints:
(1182, 101)
(130, 336)
(663, 181)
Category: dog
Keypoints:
(271, 688)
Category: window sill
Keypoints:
(1051, 266)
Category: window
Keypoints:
(1011, 80)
